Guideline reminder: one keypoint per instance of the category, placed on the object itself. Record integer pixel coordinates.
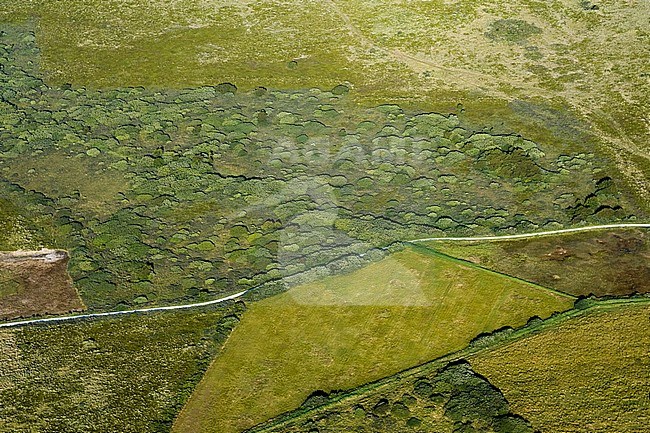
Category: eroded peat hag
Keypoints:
(34, 283)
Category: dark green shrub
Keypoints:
(315, 399)
(413, 422)
(226, 88)
(511, 424)
(400, 410)
(341, 89)
(512, 30)
(423, 388)
(381, 408)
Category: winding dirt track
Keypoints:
(240, 294)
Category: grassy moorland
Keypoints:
(343, 331)
(547, 68)
(599, 263)
(183, 150)
(128, 374)
(592, 372)
(168, 196)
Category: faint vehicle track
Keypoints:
(416, 63)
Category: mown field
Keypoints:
(447, 395)
(127, 374)
(592, 373)
(343, 331)
(599, 263)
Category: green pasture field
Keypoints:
(126, 374)
(419, 399)
(590, 373)
(343, 331)
(602, 263)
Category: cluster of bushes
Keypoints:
(454, 399)
(474, 404)
(512, 30)
(173, 195)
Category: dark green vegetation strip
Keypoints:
(176, 196)
(600, 263)
(331, 411)
(129, 374)
(454, 399)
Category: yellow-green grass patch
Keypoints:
(347, 330)
(589, 374)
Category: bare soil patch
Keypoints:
(35, 283)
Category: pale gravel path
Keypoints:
(118, 313)
(240, 294)
(537, 234)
